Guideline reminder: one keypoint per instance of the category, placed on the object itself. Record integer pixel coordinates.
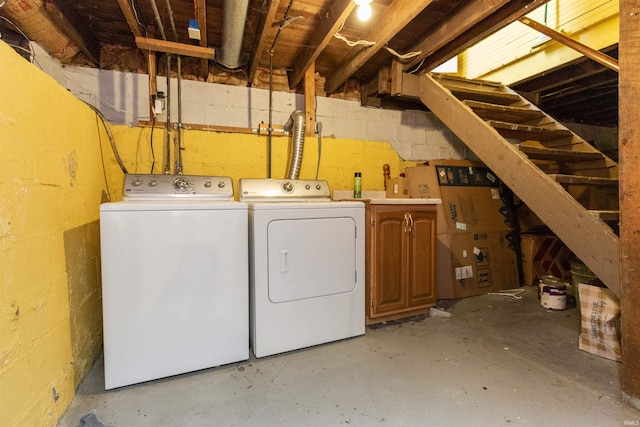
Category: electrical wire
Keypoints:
(107, 128)
(367, 43)
(30, 51)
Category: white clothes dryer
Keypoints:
(306, 257)
(175, 288)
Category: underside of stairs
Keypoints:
(570, 185)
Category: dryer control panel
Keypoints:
(146, 186)
(285, 190)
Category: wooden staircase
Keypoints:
(566, 181)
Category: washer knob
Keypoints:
(181, 184)
(207, 184)
(318, 186)
(307, 186)
(137, 182)
(153, 183)
(287, 186)
(221, 184)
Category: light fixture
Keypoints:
(364, 12)
(364, 9)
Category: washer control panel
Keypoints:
(139, 186)
(288, 190)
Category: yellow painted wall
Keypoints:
(244, 156)
(53, 178)
(513, 53)
(51, 185)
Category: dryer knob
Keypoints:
(221, 184)
(307, 186)
(137, 182)
(207, 184)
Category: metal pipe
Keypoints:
(173, 24)
(270, 131)
(270, 127)
(167, 166)
(297, 122)
(590, 53)
(179, 126)
(154, 6)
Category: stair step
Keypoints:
(535, 133)
(559, 155)
(584, 180)
(606, 215)
(489, 96)
(504, 113)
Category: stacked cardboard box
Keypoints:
(474, 256)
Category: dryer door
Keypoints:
(310, 258)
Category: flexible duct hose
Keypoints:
(297, 122)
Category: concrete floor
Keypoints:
(497, 361)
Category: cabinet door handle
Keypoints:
(406, 222)
(410, 223)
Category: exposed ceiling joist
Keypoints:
(261, 40)
(129, 15)
(329, 23)
(69, 23)
(510, 12)
(463, 19)
(395, 17)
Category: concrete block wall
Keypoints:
(123, 98)
(51, 186)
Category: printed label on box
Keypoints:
(461, 226)
(464, 272)
(484, 278)
(495, 193)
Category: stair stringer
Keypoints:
(588, 237)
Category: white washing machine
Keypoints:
(175, 289)
(306, 257)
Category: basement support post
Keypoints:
(629, 153)
(310, 99)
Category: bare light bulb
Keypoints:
(364, 12)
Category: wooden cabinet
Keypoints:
(400, 260)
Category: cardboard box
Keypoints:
(471, 264)
(469, 191)
(544, 254)
(397, 188)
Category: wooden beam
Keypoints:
(328, 24)
(395, 17)
(129, 15)
(71, 25)
(511, 11)
(587, 236)
(462, 19)
(590, 53)
(175, 48)
(629, 152)
(153, 83)
(202, 25)
(310, 100)
(260, 46)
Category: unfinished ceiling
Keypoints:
(294, 37)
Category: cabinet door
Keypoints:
(389, 283)
(421, 262)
